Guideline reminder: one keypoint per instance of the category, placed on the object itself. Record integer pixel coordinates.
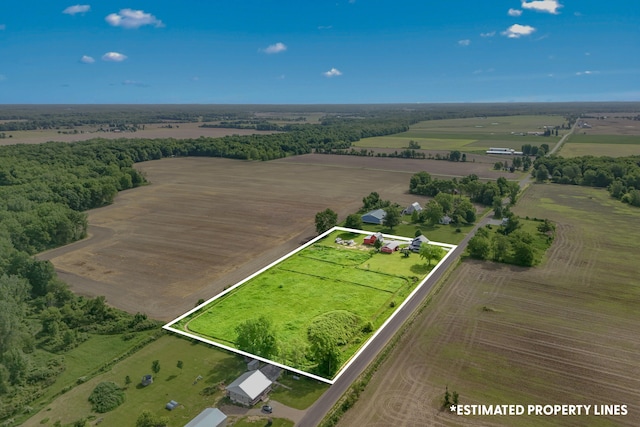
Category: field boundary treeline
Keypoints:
(352, 394)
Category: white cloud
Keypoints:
(586, 73)
(325, 27)
(489, 34)
(548, 6)
(332, 73)
(113, 57)
(79, 8)
(275, 48)
(129, 18)
(516, 31)
(465, 42)
(87, 59)
(514, 12)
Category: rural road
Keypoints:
(319, 409)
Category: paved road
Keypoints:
(320, 408)
(563, 139)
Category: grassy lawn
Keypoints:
(171, 383)
(261, 421)
(322, 278)
(601, 145)
(300, 393)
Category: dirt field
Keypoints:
(612, 124)
(563, 333)
(183, 131)
(204, 224)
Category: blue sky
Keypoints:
(340, 51)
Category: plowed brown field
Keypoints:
(562, 333)
(204, 224)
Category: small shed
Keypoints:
(253, 365)
(210, 417)
(445, 220)
(374, 217)
(417, 243)
(390, 247)
(171, 405)
(146, 380)
(373, 238)
(413, 207)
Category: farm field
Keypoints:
(320, 280)
(561, 333)
(205, 224)
(471, 134)
(601, 145)
(156, 130)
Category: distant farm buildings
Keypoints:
(507, 151)
(374, 217)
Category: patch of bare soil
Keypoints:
(504, 335)
(205, 224)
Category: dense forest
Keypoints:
(619, 175)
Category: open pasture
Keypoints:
(471, 134)
(155, 130)
(581, 144)
(561, 333)
(612, 124)
(317, 280)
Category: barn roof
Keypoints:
(250, 384)
(210, 417)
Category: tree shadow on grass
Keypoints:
(420, 269)
(171, 377)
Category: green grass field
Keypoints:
(601, 145)
(171, 383)
(322, 278)
(471, 134)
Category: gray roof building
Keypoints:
(210, 417)
(374, 217)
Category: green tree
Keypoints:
(430, 252)
(500, 245)
(353, 221)
(257, 336)
(479, 247)
(523, 254)
(432, 212)
(179, 364)
(392, 217)
(325, 351)
(147, 419)
(325, 220)
(446, 201)
(542, 174)
(454, 156)
(106, 396)
(155, 366)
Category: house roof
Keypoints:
(421, 238)
(378, 213)
(250, 384)
(210, 417)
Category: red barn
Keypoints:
(373, 238)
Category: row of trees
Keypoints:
(478, 192)
(620, 175)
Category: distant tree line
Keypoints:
(619, 175)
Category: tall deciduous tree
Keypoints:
(392, 217)
(325, 220)
(257, 336)
(430, 252)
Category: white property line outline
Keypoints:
(169, 326)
